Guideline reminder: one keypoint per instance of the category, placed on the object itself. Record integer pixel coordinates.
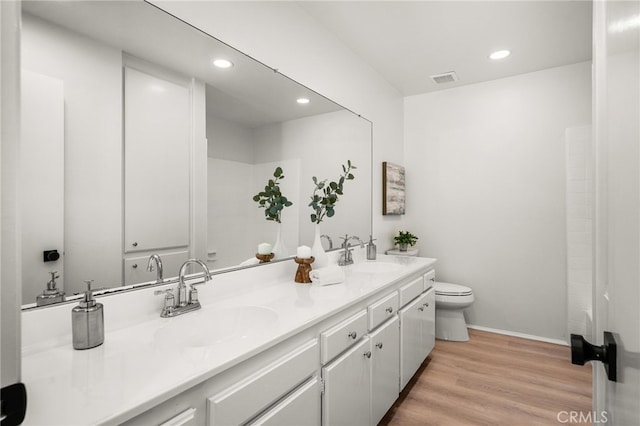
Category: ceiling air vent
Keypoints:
(447, 77)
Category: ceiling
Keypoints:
(408, 41)
(250, 94)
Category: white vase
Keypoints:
(317, 251)
(279, 248)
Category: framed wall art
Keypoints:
(392, 189)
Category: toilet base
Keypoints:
(450, 325)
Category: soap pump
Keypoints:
(87, 322)
(51, 294)
(371, 249)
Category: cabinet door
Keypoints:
(385, 368)
(412, 347)
(157, 151)
(347, 380)
(301, 408)
(429, 321)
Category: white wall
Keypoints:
(486, 194)
(322, 143)
(229, 141)
(283, 36)
(92, 75)
(41, 180)
(580, 207)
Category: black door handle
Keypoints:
(583, 351)
(14, 404)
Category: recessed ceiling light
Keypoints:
(302, 100)
(500, 54)
(222, 63)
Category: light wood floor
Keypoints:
(493, 380)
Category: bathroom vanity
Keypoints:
(262, 350)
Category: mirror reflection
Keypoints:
(134, 144)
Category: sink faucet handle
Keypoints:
(169, 301)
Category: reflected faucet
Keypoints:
(328, 239)
(346, 257)
(155, 259)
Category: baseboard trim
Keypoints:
(522, 335)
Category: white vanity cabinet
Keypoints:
(417, 333)
(362, 384)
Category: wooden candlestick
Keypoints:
(304, 267)
(265, 257)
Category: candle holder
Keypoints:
(264, 258)
(304, 267)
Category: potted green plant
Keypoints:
(404, 239)
(323, 201)
(274, 203)
(325, 194)
(271, 199)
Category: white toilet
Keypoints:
(451, 300)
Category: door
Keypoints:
(157, 123)
(617, 214)
(347, 384)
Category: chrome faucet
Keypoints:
(155, 259)
(328, 239)
(174, 306)
(346, 257)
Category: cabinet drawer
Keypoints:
(429, 279)
(410, 291)
(339, 337)
(244, 400)
(382, 310)
(301, 408)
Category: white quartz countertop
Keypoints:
(140, 365)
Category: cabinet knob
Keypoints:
(367, 354)
(426, 305)
(379, 345)
(433, 279)
(353, 335)
(135, 244)
(134, 266)
(421, 308)
(389, 309)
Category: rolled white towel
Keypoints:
(250, 261)
(327, 275)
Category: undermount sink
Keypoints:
(376, 267)
(210, 326)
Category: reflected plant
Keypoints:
(325, 195)
(271, 199)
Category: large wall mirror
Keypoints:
(135, 144)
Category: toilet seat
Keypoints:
(448, 289)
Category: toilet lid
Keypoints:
(448, 289)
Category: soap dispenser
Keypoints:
(372, 250)
(51, 294)
(87, 322)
